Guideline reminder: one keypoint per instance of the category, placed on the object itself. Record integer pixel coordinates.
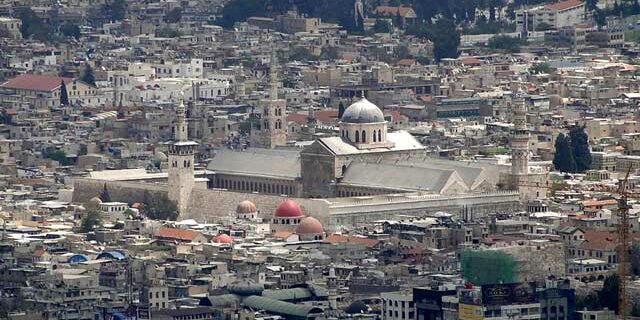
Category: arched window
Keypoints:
(379, 135)
(364, 136)
(344, 168)
(374, 136)
(185, 163)
(357, 136)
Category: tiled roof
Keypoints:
(35, 82)
(563, 5)
(393, 11)
(177, 234)
(599, 240)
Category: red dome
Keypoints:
(222, 238)
(309, 225)
(288, 209)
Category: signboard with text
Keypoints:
(508, 293)
(469, 312)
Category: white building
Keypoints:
(12, 25)
(556, 15)
(398, 306)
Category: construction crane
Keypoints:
(623, 237)
(623, 244)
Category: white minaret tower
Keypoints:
(519, 139)
(270, 129)
(181, 161)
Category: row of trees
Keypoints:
(572, 152)
(154, 206)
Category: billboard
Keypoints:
(508, 293)
(469, 312)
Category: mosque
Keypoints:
(363, 174)
(364, 160)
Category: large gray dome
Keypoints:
(362, 111)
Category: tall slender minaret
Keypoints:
(181, 161)
(519, 139)
(270, 130)
(240, 86)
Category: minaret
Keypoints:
(270, 130)
(519, 139)
(240, 86)
(311, 122)
(181, 161)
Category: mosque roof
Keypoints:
(401, 141)
(265, 162)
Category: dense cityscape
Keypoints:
(320, 159)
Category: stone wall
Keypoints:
(208, 203)
(123, 191)
(203, 205)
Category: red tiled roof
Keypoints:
(298, 118)
(406, 62)
(323, 116)
(392, 11)
(338, 238)
(35, 82)
(177, 234)
(599, 240)
(563, 5)
(282, 234)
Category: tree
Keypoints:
(301, 53)
(542, 67)
(87, 75)
(340, 110)
(634, 259)
(58, 155)
(446, 39)
(329, 53)
(502, 42)
(167, 32)
(64, 97)
(563, 159)
(32, 25)
(70, 30)
(158, 206)
(381, 26)
(90, 221)
(173, 16)
(115, 10)
(543, 26)
(104, 194)
(580, 148)
(591, 4)
(608, 295)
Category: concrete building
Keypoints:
(398, 306)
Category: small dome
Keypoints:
(222, 238)
(288, 209)
(309, 225)
(362, 111)
(245, 287)
(245, 207)
(160, 157)
(95, 201)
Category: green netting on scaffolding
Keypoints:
(488, 267)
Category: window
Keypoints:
(364, 136)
